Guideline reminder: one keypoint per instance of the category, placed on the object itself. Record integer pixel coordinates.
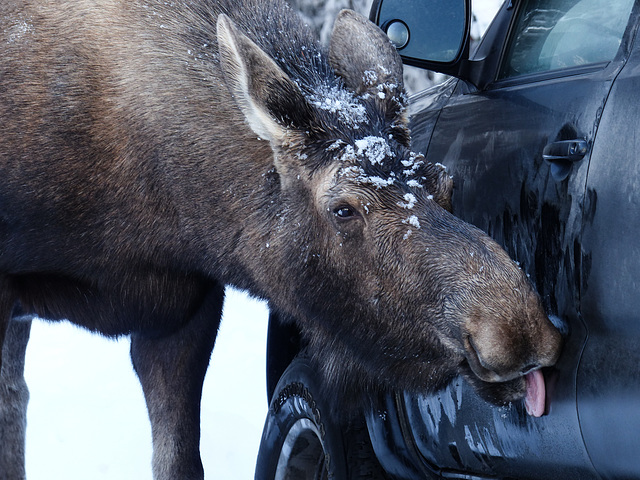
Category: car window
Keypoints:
(556, 34)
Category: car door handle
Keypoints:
(565, 151)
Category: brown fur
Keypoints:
(153, 152)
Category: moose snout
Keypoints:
(493, 370)
(499, 354)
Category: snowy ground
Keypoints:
(87, 418)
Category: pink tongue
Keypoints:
(534, 401)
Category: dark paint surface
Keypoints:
(574, 229)
(609, 374)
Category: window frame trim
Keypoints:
(549, 75)
(622, 54)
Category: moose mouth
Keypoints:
(530, 387)
(535, 395)
(533, 391)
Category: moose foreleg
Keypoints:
(14, 396)
(171, 370)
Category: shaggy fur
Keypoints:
(153, 152)
(14, 396)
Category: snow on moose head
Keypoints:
(389, 287)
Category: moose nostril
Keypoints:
(480, 367)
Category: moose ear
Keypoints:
(256, 82)
(363, 55)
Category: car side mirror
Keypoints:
(431, 34)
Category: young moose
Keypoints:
(153, 152)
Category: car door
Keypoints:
(609, 373)
(518, 149)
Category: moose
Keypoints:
(153, 152)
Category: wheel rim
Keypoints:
(302, 456)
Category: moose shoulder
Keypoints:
(153, 152)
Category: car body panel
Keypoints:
(492, 141)
(609, 374)
(572, 226)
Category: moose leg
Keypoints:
(7, 302)
(171, 370)
(14, 396)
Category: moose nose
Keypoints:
(485, 370)
(500, 367)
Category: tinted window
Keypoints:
(555, 34)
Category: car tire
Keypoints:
(301, 440)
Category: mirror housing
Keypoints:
(431, 34)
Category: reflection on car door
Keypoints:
(609, 373)
(546, 97)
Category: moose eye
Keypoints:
(345, 212)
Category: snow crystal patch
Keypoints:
(407, 235)
(386, 87)
(413, 163)
(372, 150)
(378, 182)
(349, 154)
(342, 102)
(411, 201)
(412, 220)
(408, 163)
(414, 184)
(375, 149)
(335, 145)
(351, 171)
(370, 77)
(358, 174)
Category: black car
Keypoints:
(540, 129)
